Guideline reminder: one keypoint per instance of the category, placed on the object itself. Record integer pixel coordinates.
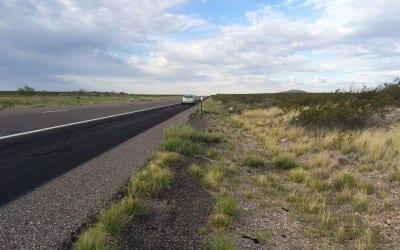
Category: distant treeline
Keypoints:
(27, 91)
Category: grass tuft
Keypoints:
(255, 161)
(361, 202)
(214, 175)
(395, 176)
(182, 146)
(285, 162)
(344, 180)
(149, 180)
(117, 214)
(222, 242)
(94, 238)
(298, 175)
(226, 204)
(220, 220)
(195, 170)
(365, 240)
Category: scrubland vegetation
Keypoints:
(28, 97)
(343, 110)
(331, 160)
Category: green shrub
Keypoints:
(348, 115)
(26, 90)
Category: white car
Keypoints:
(188, 99)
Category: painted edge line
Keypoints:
(81, 122)
(54, 111)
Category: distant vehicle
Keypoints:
(188, 99)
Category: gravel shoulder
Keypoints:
(173, 218)
(48, 216)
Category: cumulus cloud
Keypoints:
(144, 46)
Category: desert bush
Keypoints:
(349, 115)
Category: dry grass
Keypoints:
(331, 171)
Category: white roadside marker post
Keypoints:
(201, 107)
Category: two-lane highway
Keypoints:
(32, 157)
(45, 174)
(16, 121)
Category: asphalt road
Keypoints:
(68, 183)
(30, 160)
(16, 121)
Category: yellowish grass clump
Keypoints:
(215, 173)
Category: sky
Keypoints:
(198, 46)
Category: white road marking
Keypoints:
(81, 122)
(54, 111)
